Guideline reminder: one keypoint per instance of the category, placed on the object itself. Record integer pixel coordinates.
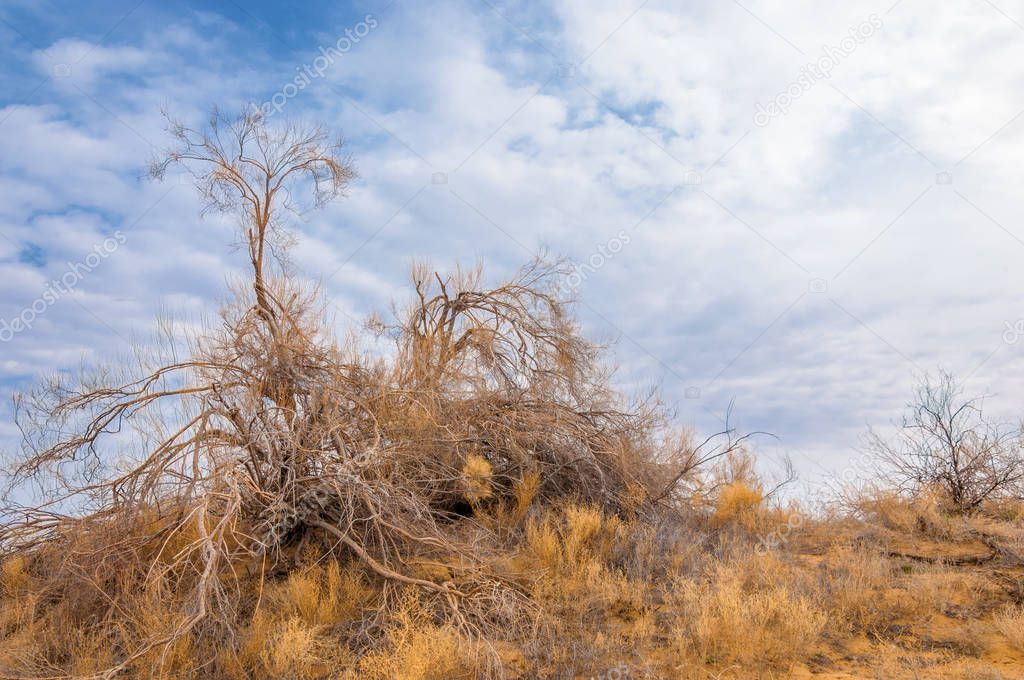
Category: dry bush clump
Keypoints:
(926, 515)
(417, 649)
(855, 587)
(476, 501)
(270, 434)
(1010, 624)
(738, 503)
(754, 611)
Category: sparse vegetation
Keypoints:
(477, 502)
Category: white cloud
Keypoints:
(714, 289)
(71, 60)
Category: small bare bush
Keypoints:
(946, 441)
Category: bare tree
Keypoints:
(947, 441)
(244, 167)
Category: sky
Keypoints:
(792, 208)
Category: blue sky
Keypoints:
(790, 207)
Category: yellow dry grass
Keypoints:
(738, 503)
(881, 597)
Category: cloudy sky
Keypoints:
(792, 207)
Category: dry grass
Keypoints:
(417, 649)
(688, 599)
(1010, 624)
(747, 611)
(738, 503)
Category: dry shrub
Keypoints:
(938, 587)
(750, 612)
(18, 607)
(297, 650)
(290, 634)
(319, 595)
(855, 587)
(477, 472)
(282, 648)
(946, 441)
(572, 548)
(270, 434)
(1004, 509)
(595, 604)
(417, 649)
(973, 670)
(1010, 624)
(475, 501)
(523, 495)
(867, 592)
(740, 504)
(928, 514)
(14, 577)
